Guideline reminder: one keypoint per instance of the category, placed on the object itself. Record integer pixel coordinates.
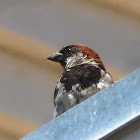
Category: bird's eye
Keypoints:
(68, 50)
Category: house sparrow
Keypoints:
(84, 75)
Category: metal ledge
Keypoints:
(98, 116)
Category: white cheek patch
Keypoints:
(75, 61)
(69, 59)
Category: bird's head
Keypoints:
(76, 54)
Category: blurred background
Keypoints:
(30, 30)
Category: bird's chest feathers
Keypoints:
(78, 83)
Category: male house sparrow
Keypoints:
(84, 75)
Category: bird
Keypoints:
(84, 74)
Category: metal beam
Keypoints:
(98, 116)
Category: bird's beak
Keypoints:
(57, 57)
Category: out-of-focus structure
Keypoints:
(27, 82)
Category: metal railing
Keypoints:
(97, 117)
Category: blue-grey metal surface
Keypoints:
(130, 132)
(98, 116)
